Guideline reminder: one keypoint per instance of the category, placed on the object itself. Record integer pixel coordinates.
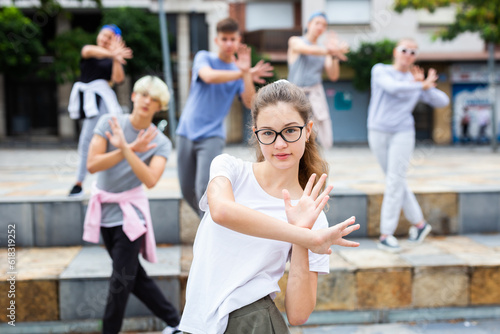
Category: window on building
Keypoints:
(348, 11)
(440, 17)
(269, 15)
(198, 32)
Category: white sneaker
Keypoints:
(171, 330)
(389, 244)
(418, 234)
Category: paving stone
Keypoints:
(280, 297)
(485, 286)
(342, 207)
(480, 259)
(433, 260)
(44, 263)
(364, 243)
(337, 290)
(186, 258)
(58, 224)
(439, 209)
(425, 248)
(490, 240)
(440, 286)
(460, 244)
(189, 222)
(35, 300)
(85, 281)
(380, 289)
(373, 259)
(165, 217)
(479, 212)
(18, 218)
(94, 262)
(86, 299)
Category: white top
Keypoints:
(394, 95)
(230, 269)
(90, 90)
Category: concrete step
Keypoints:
(58, 221)
(446, 277)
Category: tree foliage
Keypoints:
(482, 16)
(66, 48)
(367, 55)
(20, 45)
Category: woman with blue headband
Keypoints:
(306, 61)
(92, 96)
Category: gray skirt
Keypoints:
(260, 317)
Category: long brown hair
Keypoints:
(284, 91)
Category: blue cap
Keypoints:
(316, 14)
(113, 28)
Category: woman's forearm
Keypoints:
(244, 220)
(300, 295)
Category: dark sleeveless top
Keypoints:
(93, 69)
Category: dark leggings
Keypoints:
(129, 276)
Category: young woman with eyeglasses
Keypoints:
(395, 91)
(257, 217)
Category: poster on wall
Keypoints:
(472, 118)
(472, 114)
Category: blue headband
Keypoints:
(113, 28)
(316, 14)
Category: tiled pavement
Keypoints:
(27, 173)
(445, 278)
(450, 276)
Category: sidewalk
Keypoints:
(465, 327)
(453, 275)
(31, 173)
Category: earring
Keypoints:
(307, 140)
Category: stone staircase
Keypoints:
(61, 282)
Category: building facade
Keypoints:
(266, 26)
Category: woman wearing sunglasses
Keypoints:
(395, 91)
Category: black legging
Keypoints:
(129, 276)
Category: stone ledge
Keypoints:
(432, 275)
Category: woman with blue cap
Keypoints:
(101, 67)
(306, 61)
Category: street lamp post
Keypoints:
(491, 94)
(167, 72)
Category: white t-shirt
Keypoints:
(230, 269)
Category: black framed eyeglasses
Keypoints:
(289, 134)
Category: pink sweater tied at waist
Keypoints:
(132, 225)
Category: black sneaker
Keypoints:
(418, 234)
(76, 191)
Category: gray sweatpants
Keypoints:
(393, 152)
(193, 166)
(86, 134)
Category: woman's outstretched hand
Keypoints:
(310, 205)
(325, 238)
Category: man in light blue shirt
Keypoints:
(216, 79)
